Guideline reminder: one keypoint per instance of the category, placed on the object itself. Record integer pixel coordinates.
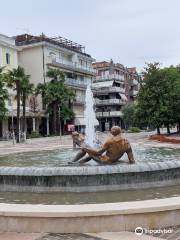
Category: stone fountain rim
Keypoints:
(89, 170)
(109, 217)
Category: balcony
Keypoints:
(109, 102)
(79, 101)
(109, 114)
(110, 89)
(71, 66)
(76, 83)
(110, 77)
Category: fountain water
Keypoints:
(90, 117)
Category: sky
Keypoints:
(131, 32)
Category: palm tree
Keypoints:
(56, 96)
(26, 90)
(57, 78)
(14, 78)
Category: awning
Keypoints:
(102, 84)
(81, 121)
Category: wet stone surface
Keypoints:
(69, 236)
(171, 233)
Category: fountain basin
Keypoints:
(49, 171)
(90, 178)
(149, 214)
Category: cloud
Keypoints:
(129, 31)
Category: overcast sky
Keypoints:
(131, 32)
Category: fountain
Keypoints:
(90, 117)
(23, 176)
(49, 171)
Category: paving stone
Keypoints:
(175, 235)
(20, 236)
(69, 236)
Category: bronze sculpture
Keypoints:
(111, 151)
(78, 139)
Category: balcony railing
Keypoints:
(110, 77)
(110, 89)
(109, 101)
(76, 83)
(72, 66)
(109, 114)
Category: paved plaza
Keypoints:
(175, 235)
(53, 236)
(50, 143)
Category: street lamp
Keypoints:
(60, 133)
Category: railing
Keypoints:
(110, 89)
(72, 65)
(110, 77)
(9, 135)
(75, 82)
(109, 101)
(109, 114)
(116, 113)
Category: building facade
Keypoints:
(39, 54)
(114, 86)
(8, 61)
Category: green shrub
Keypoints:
(134, 130)
(34, 135)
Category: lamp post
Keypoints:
(60, 133)
(47, 124)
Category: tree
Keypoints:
(150, 104)
(3, 95)
(56, 97)
(176, 100)
(129, 115)
(26, 90)
(14, 78)
(171, 114)
(159, 97)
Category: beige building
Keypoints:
(8, 60)
(39, 53)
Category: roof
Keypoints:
(26, 39)
(132, 69)
(105, 64)
(101, 64)
(8, 42)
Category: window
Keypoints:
(52, 56)
(81, 62)
(7, 58)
